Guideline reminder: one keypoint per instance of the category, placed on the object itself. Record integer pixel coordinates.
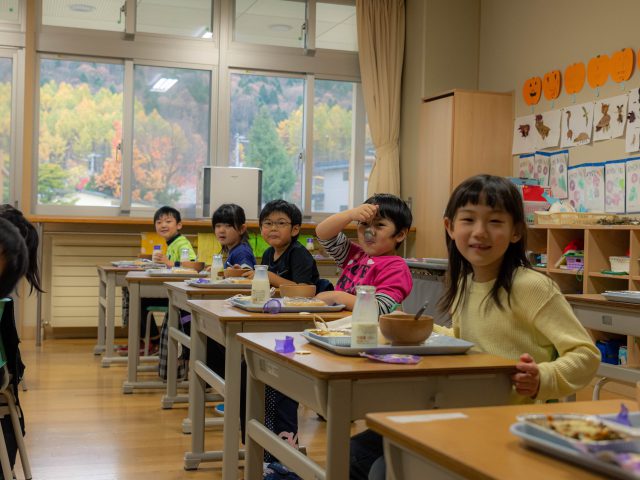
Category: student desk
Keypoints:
(141, 285)
(343, 389)
(110, 278)
(218, 320)
(597, 313)
(478, 446)
(179, 293)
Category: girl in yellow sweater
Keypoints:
(501, 304)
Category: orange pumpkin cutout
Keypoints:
(551, 85)
(574, 78)
(598, 71)
(531, 90)
(621, 65)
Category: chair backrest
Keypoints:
(207, 246)
(148, 240)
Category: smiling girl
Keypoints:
(229, 226)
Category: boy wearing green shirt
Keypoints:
(168, 224)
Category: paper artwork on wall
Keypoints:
(541, 168)
(547, 131)
(594, 187)
(614, 175)
(576, 125)
(633, 185)
(632, 137)
(558, 179)
(609, 117)
(526, 165)
(576, 187)
(523, 139)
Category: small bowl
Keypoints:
(235, 272)
(197, 266)
(403, 329)
(297, 290)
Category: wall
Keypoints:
(520, 39)
(441, 53)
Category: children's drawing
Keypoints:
(609, 117)
(576, 125)
(523, 140)
(632, 137)
(547, 129)
(526, 165)
(577, 187)
(541, 168)
(558, 180)
(632, 185)
(594, 187)
(614, 175)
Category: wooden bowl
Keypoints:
(235, 272)
(297, 290)
(403, 329)
(197, 266)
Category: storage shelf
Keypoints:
(566, 272)
(608, 275)
(544, 269)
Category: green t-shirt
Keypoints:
(175, 247)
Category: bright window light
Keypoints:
(163, 85)
(207, 35)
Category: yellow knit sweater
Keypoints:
(539, 321)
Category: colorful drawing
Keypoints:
(541, 167)
(577, 125)
(558, 180)
(526, 165)
(547, 131)
(632, 167)
(615, 176)
(576, 187)
(632, 139)
(594, 187)
(608, 127)
(524, 130)
(523, 141)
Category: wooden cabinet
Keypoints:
(463, 133)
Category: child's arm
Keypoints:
(527, 380)
(274, 280)
(336, 297)
(333, 225)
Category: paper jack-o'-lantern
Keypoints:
(598, 71)
(551, 85)
(574, 78)
(531, 90)
(621, 65)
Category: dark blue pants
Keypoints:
(365, 448)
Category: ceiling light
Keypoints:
(280, 27)
(163, 85)
(82, 8)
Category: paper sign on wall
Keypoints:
(594, 187)
(526, 165)
(577, 125)
(541, 168)
(610, 117)
(614, 175)
(632, 137)
(576, 187)
(547, 129)
(633, 185)
(558, 179)
(523, 139)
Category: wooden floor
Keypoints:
(81, 426)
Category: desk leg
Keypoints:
(109, 327)
(232, 373)
(172, 354)
(196, 396)
(254, 453)
(102, 307)
(338, 428)
(133, 343)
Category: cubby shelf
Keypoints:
(563, 271)
(608, 275)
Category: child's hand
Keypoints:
(249, 274)
(161, 258)
(364, 213)
(527, 380)
(327, 297)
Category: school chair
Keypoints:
(147, 334)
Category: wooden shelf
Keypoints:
(540, 269)
(608, 275)
(566, 272)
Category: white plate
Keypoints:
(253, 307)
(222, 284)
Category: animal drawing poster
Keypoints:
(609, 117)
(594, 187)
(547, 129)
(541, 168)
(526, 165)
(558, 178)
(614, 176)
(632, 136)
(576, 125)
(523, 138)
(576, 187)
(632, 185)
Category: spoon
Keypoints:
(421, 310)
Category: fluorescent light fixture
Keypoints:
(163, 85)
(82, 8)
(280, 27)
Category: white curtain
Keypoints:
(381, 51)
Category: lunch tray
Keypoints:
(625, 296)
(258, 308)
(221, 284)
(434, 345)
(165, 272)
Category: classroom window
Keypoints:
(265, 131)
(170, 136)
(104, 15)
(186, 18)
(80, 132)
(270, 22)
(6, 84)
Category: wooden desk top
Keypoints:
(190, 291)
(481, 445)
(144, 277)
(596, 300)
(325, 364)
(111, 268)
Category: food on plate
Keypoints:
(330, 333)
(186, 271)
(582, 429)
(240, 281)
(303, 302)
